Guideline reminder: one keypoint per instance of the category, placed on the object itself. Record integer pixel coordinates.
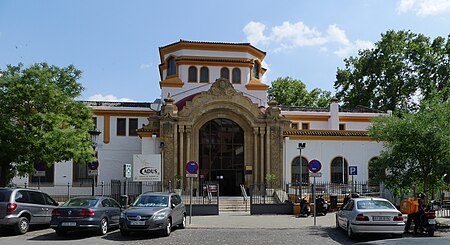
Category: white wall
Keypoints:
(356, 153)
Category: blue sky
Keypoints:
(115, 43)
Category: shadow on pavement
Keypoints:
(9, 232)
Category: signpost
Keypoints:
(93, 171)
(315, 166)
(353, 170)
(301, 145)
(192, 172)
(40, 171)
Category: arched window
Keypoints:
(336, 171)
(236, 75)
(375, 172)
(295, 175)
(225, 73)
(255, 71)
(192, 74)
(171, 68)
(204, 75)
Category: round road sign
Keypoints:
(314, 166)
(192, 167)
(93, 165)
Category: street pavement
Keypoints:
(223, 229)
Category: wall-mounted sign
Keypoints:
(147, 167)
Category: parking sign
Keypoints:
(352, 170)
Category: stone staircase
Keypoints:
(233, 204)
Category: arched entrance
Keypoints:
(221, 154)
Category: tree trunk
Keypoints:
(5, 176)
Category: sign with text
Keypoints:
(353, 170)
(147, 167)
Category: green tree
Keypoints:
(292, 92)
(417, 145)
(402, 65)
(40, 120)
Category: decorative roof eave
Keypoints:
(327, 135)
(219, 46)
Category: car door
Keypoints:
(37, 207)
(51, 204)
(345, 213)
(115, 211)
(177, 210)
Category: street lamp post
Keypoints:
(301, 145)
(94, 134)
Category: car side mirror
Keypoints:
(172, 205)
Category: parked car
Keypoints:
(370, 215)
(20, 208)
(90, 213)
(154, 211)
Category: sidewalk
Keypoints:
(243, 220)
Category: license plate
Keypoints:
(381, 218)
(137, 222)
(432, 221)
(68, 224)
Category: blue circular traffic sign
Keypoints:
(192, 167)
(314, 166)
(93, 165)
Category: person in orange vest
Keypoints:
(416, 216)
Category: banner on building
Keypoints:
(147, 167)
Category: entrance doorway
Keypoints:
(221, 153)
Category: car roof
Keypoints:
(159, 193)
(370, 198)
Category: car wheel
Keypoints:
(167, 228)
(60, 232)
(124, 232)
(103, 227)
(22, 226)
(349, 231)
(183, 222)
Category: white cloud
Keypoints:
(423, 7)
(255, 32)
(109, 97)
(145, 66)
(353, 48)
(292, 35)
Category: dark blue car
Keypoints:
(90, 213)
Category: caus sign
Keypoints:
(147, 167)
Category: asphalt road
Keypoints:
(217, 230)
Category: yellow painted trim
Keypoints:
(211, 47)
(173, 82)
(256, 84)
(105, 113)
(355, 119)
(321, 118)
(214, 63)
(107, 129)
(341, 138)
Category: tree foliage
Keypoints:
(40, 120)
(292, 92)
(402, 65)
(417, 147)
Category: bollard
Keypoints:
(103, 186)
(68, 190)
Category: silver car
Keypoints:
(370, 215)
(20, 208)
(154, 212)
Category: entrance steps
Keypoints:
(233, 204)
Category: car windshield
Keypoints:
(374, 204)
(81, 202)
(151, 201)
